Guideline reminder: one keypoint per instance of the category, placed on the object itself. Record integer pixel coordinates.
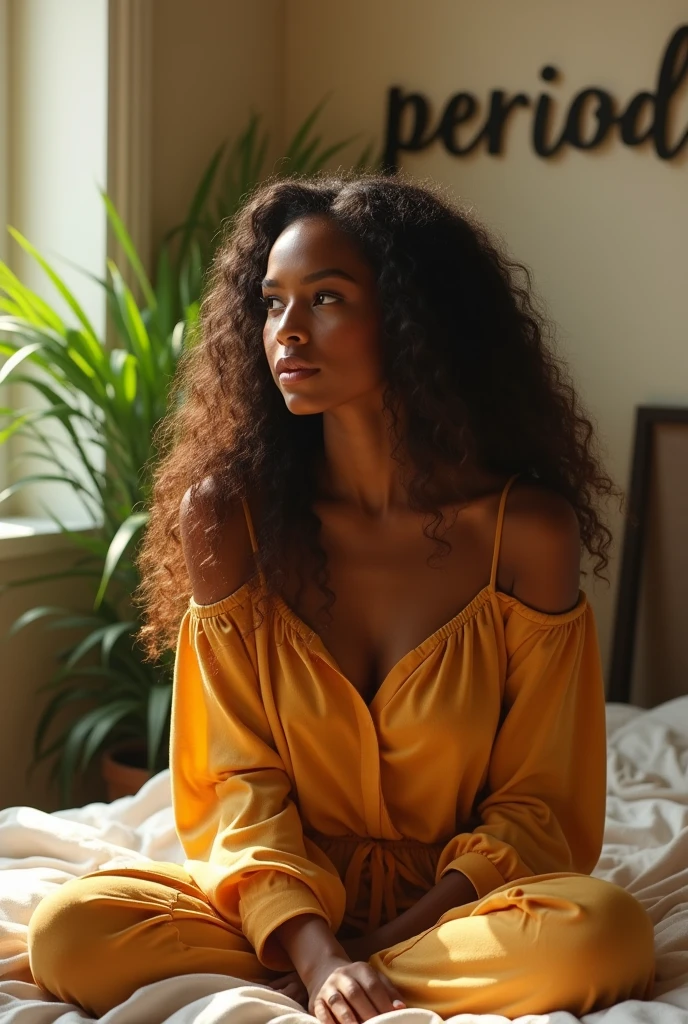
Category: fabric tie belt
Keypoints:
(384, 864)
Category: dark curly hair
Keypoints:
(465, 355)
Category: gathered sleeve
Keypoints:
(232, 797)
(542, 808)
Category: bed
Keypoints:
(645, 851)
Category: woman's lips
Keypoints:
(294, 376)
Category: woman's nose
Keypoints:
(291, 328)
(291, 325)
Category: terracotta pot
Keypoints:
(123, 769)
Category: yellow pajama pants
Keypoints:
(560, 941)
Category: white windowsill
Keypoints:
(22, 536)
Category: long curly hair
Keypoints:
(466, 358)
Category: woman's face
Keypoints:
(322, 309)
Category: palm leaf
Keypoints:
(33, 615)
(100, 720)
(159, 701)
(18, 358)
(318, 162)
(120, 542)
(56, 280)
(124, 239)
(47, 716)
(198, 202)
(35, 478)
(36, 308)
(304, 128)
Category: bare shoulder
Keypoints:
(215, 541)
(542, 547)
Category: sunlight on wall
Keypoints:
(58, 146)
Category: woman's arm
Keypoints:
(339, 989)
(453, 890)
(232, 795)
(308, 940)
(316, 952)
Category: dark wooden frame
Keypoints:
(623, 636)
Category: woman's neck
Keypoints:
(357, 467)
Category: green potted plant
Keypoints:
(106, 401)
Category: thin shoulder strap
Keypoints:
(498, 531)
(252, 535)
(249, 523)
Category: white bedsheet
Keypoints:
(645, 851)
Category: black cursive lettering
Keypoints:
(408, 116)
(541, 125)
(497, 118)
(459, 109)
(604, 112)
(398, 105)
(628, 121)
(671, 76)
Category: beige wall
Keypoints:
(213, 62)
(604, 231)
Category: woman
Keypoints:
(383, 801)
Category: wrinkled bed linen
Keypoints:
(645, 851)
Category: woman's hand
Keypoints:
(292, 986)
(345, 993)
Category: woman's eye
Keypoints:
(326, 297)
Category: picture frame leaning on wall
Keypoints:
(649, 662)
